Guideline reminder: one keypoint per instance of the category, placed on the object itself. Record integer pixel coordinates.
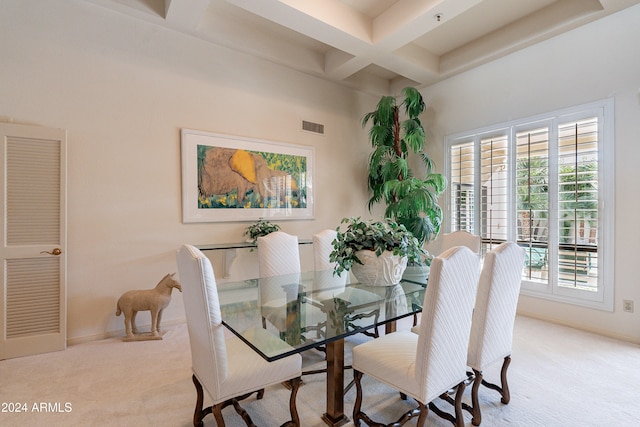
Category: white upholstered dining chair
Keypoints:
(322, 248)
(451, 240)
(461, 238)
(426, 365)
(279, 259)
(227, 368)
(493, 319)
(278, 254)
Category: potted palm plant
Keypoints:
(377, 252)
(397, 137)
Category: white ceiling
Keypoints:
(378, 46)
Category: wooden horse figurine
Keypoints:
(154, 300)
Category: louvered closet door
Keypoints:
(33, 301)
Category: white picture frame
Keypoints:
(229, 178)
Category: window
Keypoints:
(543, 183)
(462, 193)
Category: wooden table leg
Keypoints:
(389, 327)
(335, 385)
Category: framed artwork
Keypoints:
(232, 178)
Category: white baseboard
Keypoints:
(121, 332)
(620, 337)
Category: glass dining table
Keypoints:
(314, 310)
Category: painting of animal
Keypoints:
(217, 176)
(225, 170)
(154, 300)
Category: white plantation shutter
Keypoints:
(462, 167)
(543, 182)
(532, 200)
(578, 204)
(494, 173)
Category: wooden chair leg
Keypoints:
(294, 383)
(217, 414)
(240, 411)
(199, 413)
(216, 410)
(503, 390)
(357, 414)
(476, 415)
(424, 411)
(506, 395)
(459, 421)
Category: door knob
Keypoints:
(56, 251)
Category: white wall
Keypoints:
(123, 89)
(597, 61)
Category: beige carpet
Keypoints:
(559, 377)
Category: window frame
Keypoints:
(603, 298)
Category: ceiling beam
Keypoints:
(359, 41)
(185, 14)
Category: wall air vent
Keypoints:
(313, 127)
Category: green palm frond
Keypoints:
(395, 168)
(437, 181)
(378, 157)
(427, 162)
(413, 102)
(395, 141)
(412, 199)
(414, 134)
(380, 135)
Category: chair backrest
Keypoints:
(322, 248)
(494, 315)
(278, 254)
(204, 319)
(446, 321)
(461, 238)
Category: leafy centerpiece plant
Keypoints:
(374, 238)
(397, 137)
(259, 229)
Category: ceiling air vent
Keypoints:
(313, 127)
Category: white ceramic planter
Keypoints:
(383, 270)
(417, 273)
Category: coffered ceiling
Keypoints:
(373, 45)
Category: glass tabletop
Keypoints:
(282, 315)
